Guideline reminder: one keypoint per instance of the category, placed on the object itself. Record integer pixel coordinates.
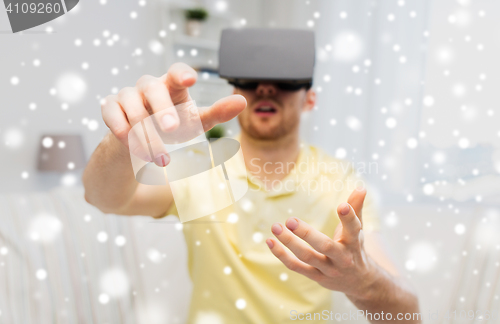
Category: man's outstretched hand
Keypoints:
(339, 263)
(158, 96)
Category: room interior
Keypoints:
(406, 86)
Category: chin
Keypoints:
(261, 130)
(265, 133)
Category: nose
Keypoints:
(266, 89)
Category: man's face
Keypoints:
(272, 113)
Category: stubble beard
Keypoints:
(268, 133)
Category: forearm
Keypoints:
(387, 294)
(108, 178)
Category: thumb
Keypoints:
(356, 200)
(222, 111)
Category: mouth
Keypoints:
(265, 109)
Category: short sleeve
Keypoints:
(172, 210)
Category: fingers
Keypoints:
(319, 241)
(298, 247)
(145, 117)
(291, 261)
(115, 119)
(153, 140)
(144, 140)
(132, 104)
(138, 145)
(356, 200)
(222, 111)
(157, 98)
(179, 77)
(351, 225)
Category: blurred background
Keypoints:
(405, 86)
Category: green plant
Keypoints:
(197, 14)
(216, 132)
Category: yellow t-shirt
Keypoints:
(236, 278)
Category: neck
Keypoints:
(263, 157)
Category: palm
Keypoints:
(335, 263)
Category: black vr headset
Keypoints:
(282, 56)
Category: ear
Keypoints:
(310, 101)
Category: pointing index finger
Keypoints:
(179, 77)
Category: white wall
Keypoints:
(58, 54)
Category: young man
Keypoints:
(324, 229)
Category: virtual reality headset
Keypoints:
(283, 56)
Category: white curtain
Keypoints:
(407, 85)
